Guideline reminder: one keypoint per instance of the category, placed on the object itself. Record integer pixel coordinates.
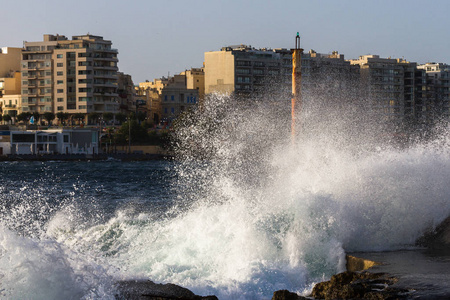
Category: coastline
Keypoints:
(87, 157)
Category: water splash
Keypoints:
(252, 213)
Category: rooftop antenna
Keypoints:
(296, 100)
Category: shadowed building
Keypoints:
(388, 84)
(437, 91)
(247, 71)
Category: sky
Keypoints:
(158, 38)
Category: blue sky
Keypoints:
(155, 38)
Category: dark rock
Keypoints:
(354, 285)
(286, 295)
(439, 238)
(146, 290)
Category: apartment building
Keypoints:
(10, 98)
(389, 85)
(9, 61)
(195, 79)
(436, 91)
(127, 102)
(329, 78)
(10, 80)
(244, 70)
(71, 76)
(168, 97)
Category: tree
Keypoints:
(36, 116)
(7, 118)
(108, 116)
(25, 116)
(62, 117)
(94, 116)
(121, 117)
(1, 117)
(49, 117)
(79, 117)
(141, 116)
(139, 134)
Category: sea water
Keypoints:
(243, 211)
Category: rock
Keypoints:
(354, 285)
(359, 264)
(286, 295)
(439, 238)
(148, 290)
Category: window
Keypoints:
(172, 110)
(60, 108)
(59, 73)
(172, 97)
(60, 99)
(59, 65)
(165, 110)
(59, 56)
(60, 91)
(81, 106)
(59, 82)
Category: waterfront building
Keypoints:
(9, 61)
(168, 97)
(329, 79)
(195, 79)
(436, 91)
(54, 141)
(10, 98)
(71, 76)
(389, 86)
(246, 71)
(127, 102)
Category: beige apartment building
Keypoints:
(166, 98)
(195, 79)
(10, 80)
(244, 70)
(389, 86)
(71, 76)
(9, 61)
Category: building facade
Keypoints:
(436, 91)
(167, 98)
(9, 61)
(390, 86)
(71, 76)
(244, 70)
(10, 97)
(56, 141)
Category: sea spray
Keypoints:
(242, 211)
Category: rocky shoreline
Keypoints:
(355, 283)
